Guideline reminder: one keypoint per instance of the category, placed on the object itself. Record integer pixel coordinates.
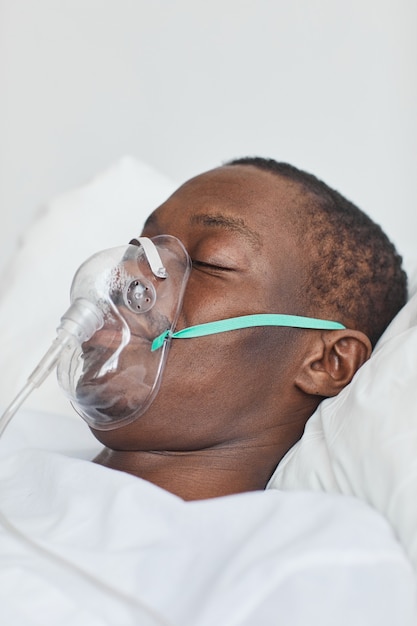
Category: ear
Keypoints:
(331, 360)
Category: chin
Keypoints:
(111, 400)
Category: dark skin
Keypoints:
(231, 405)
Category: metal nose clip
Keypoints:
(152, 256)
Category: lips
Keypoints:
(108, 339)
(108, 351)
(118, 368)
(114, 393)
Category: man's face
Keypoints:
(233, 221)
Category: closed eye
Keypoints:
(202, 265)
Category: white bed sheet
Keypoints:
(82, 544)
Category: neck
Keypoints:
(199, 474)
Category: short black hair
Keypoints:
(356, 275)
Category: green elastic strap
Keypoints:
(247, 321)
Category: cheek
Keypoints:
(227, 366)
(209, 299)
(201, 304)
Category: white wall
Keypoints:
(328, 85)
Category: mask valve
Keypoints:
(140, 296)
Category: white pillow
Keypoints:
(106, 212)
(364, 441)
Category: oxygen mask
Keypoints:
(113, 376)
(121, 299)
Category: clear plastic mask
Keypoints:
(112, 377)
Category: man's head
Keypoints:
(258, 237)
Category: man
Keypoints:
(263, 237)
(89, 545)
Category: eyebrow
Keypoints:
(234, 224)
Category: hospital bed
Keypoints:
(332, 540)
